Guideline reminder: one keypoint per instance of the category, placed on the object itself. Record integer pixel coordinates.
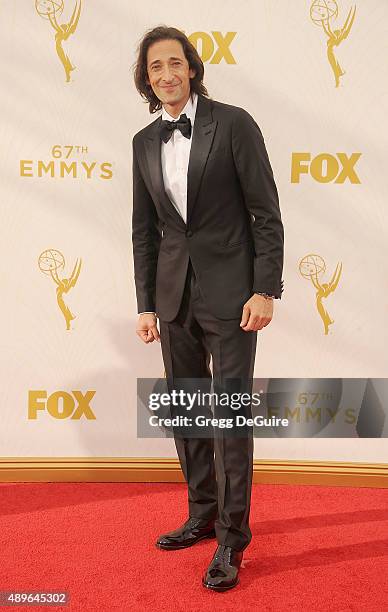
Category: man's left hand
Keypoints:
(257, 313)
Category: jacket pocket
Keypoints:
(225, 245)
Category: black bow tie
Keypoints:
(167, 127)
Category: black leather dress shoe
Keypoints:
(191, 532)
(222, 573)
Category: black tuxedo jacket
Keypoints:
(234, 232)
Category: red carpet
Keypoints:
(313, 548)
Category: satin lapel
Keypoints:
(202, 140)
(153, 147)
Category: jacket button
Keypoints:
(189, 233)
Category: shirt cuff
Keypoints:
(267, 295)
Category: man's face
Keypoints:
(169, 72)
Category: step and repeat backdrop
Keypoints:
(314, 75)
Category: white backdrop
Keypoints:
(277, 68)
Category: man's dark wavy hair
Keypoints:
(164, 32)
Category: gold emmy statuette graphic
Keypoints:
(321, 12)
(50, 262)
(51, 9)
(309, 267)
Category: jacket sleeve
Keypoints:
(261, 199)
(146, 237)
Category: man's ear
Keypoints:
(192, 73)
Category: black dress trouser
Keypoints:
(218, 469)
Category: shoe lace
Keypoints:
(220, 558)
(223, 553)
(192, 522)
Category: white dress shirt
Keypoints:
(175, 160)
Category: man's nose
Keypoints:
(167, 74)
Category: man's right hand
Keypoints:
(147, 329)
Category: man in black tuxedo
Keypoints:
(208, 258)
